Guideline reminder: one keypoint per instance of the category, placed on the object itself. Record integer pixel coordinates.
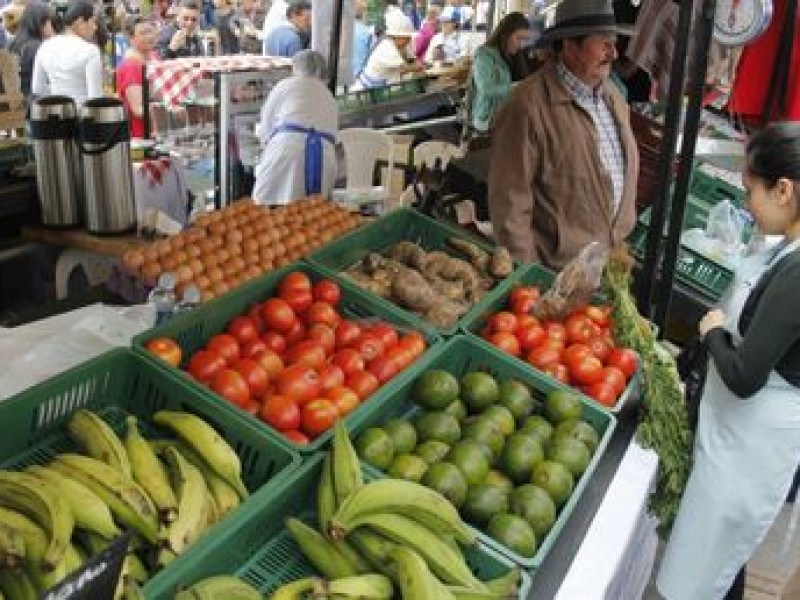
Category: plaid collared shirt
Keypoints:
(608, 142)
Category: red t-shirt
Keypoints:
(129, 72)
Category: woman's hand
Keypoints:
(713, 319)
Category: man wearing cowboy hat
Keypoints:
(564, 160)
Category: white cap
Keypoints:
(398, 25)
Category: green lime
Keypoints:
(521, 453)
(562, 405)
(457, 409)
(555, 479)
(539, 427)
(407, 466)
(499, 479)
(448, 480)
(435, 390)
(478, 391)
(514, 533)
(470, 457)
(571, 453)
(402, 433)
(516, 397)
(581, 431)
(535, 506)
(485, 431)
(483, 502)
(432, 451)
(437, 425)
(375, 447)
(502, 417)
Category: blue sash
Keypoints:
(313, 157)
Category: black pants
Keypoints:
(737, 589)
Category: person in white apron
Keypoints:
(747, 444)
(299, 124)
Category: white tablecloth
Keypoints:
(160, 184)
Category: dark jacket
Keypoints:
(192, 47)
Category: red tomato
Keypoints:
(575, 352)
(556, 331)
(346, 333)
(330, 376)
(503, 321)
(558, 372)
(253, 347)
(254, 374)
(601, 348)
(253, 408)
(363, 383)
(300, 382)
(368, 345)
(414, 342)
(579, 328)
(231, 385)
(297, 333)
(586, 370)
(384, 368)
(271, 361)
(299, 300)
(530, 336)
(278, 315)
(281, 412)
(322, 312)
(625, 359)
(615, 378)
(524, 291)
(205, 364)
(600, 315)
(603, 393)
(296, 437)
(522, 306)
(254, 312)
(274, 341)
(166, 349)
(309, 352)
(318, 416)
(244, 329)
(344, 399)
(386, 334)
(506, 341)
(553, 344)
(527, 321)
(296, 280)
(324, 335)
(401, 356)
(226, 346)
(328, 291)
(349, 360)
(541, 358)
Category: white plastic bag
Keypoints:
(726, 227)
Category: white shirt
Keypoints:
(385, 62)
(67, 65)
(451, 45)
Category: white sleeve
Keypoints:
(269, 114)
(39, 82)
(436, 40)
(94, 74)
(387, 57)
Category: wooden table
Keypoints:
(80, 239)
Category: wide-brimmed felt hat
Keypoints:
(574, 18)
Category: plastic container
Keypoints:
(193, 329)
(122, 382)
(162, 298)
(263, 553)
(541, 277)
(402, 224)
(462, 354)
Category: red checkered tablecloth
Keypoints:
(175, 79)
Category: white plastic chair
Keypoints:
(426, 153)
(362, 149)
(96, 267)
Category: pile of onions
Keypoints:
(226, 248)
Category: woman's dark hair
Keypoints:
(35, 17)
(512, 22)
(79, 10)
(774, 152)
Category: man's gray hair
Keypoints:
(309, 63)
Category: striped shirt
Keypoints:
(608, 142)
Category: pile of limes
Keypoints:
(505, 458)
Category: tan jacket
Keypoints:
(549, 194)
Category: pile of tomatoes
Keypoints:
(296, 363)
(579, 351)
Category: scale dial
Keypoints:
(739, 22)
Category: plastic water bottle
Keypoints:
(162, 297)
(191, 299)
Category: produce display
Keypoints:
(579, 350)
(294, 361)
(506, 459)
(439, 286)
(167, 491)
(226, 248)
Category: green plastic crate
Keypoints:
(543, 278)
(122, 382)
(400, 225)
(263, 553)
(354, 100)
(397, 91)
(193, 329)
(467, 353)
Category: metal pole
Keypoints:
(668, 143)
(703, 31)
(336, 40)
(146, 103)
